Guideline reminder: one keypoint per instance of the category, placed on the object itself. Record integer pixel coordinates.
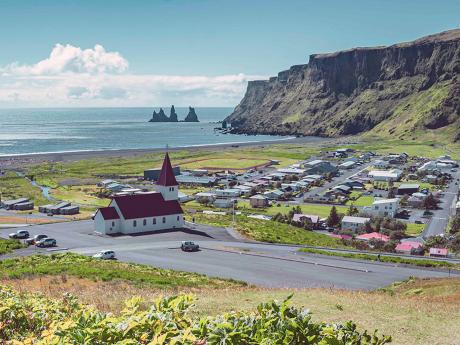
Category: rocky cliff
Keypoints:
(191, 116)
(400, 91)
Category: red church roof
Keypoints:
(109, 213)
(167, 177)
(146, 205)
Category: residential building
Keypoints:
(197, 180)
(9, 204)
(224, 203)
(319, 167)
(228, 193)
(258, 200)
(373, 236)
(205, 197)
(409, 247)
(354, 223)
(382, 208)
(408, 188)
(145, 212)
(386, 175)
(275, 194)
(380, 164)
(347, 165)
(291, 171)
(304, 218)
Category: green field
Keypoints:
(13, 186)
(269, 231)
(414, 229)
(313, 209)
(361, 200)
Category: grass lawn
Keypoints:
(104, 270)
(230, 163)
(270, 231)
(13, 186)
(417, 261)
(360, 199)
(7, 246)
(318, 210)
(415, 229)
(81, 195)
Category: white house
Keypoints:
(354, 223)
(386, 175)
(383, 208)
(228, 193)
(146, 212)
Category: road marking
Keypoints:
(303, 261)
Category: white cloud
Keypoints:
(67, 58)
(71, 76)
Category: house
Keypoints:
(205, 197)
(380, 164)
(290, 187)
(228, 193)
(319, 167)
(408, 188)
(409, 247)
(291, 171)
(354, 223)
(342, 188)
(373, 236)
(244, 190)
(439, 252)
(154, 174)
(117, 187)
(224, 203)
(414, 201)
(197, 180)
(386, 175)
(382, 207)
(354, 184)
(275, 194)
(258, 200)
(306, 218)
(347, 165)
(144, 212)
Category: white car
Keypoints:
(105, 255)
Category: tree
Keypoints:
(334, 218)
(430, 202)
(455, 225)
(352, 210)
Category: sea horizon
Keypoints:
(86, 129)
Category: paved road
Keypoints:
(440, 219)
(223, 256)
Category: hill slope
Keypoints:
(399, 91)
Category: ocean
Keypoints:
(29, 131)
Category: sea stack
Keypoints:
(191, 116)
(173, 115)
(159, 117)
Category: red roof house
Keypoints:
(373, 235)
(407, 247)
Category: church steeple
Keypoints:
(167, 184)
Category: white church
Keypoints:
(144, 212)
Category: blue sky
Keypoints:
(231, 40)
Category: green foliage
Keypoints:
(7, 246)
(383, 258)
(31, 318)
(106, 270)
(334, 218)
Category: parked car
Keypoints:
(189, 246)
(105, 255)
(36, 239)
(46, 242)
(20, 234)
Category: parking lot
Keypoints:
(223, 256)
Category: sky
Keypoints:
(57, 53)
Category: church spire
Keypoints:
(167, 177)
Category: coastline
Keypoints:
(16, 160)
